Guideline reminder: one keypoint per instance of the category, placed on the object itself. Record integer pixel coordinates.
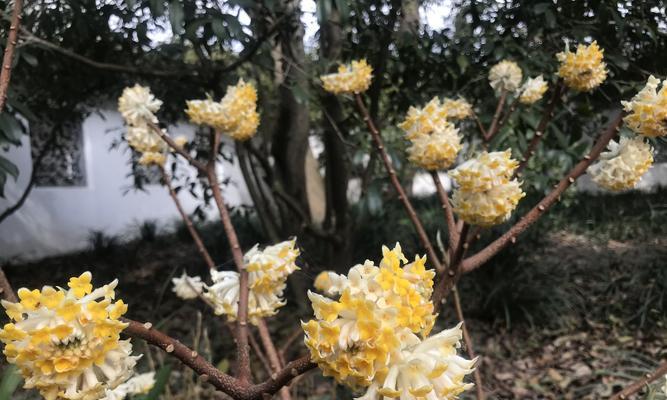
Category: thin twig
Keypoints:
(188, 223)
(475, 261)
(8, 57)
(480, 126)
(449, 212)
(402, 196)
(272, 354)
(641, 383)
(178, 149)
(541, 126)
(257, 349)
(513, 106)
(243, 348)
(468, 341)
(448, 280)
(6, 288)
(494, 127)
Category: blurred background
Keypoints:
(575, 309)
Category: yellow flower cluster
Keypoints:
(533, 90)
(66, 343)
(437, 150)
(648, 109)
(235, 115)
(268, 270)
(486, 193)
(584, 70)
(435, 141)
(622, 166)
(373, 334)
(137, 105)
(353, 78)
(506, 75)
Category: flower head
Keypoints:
(236, 114)
(533, 90)
(506, 75)
(138, 384)
(584, 70)
(622, 166)
(648, 109)
(187, 287)
(486, 193)
(456, 108)
(268, 270)
(66, 343)
(138, 105)
(437, 150)
(372, 332)
(353, 78)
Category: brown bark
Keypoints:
(8, 57)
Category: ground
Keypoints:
(576, 318)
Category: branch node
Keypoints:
(148, 325)
(540, 207)
(194, 354)
(571, 179)
(169, 349)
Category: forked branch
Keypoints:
(475, 261)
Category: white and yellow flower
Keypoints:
(66, 343)
(370, 335)
(505, 76)
(486, 194)
(353, 78)
(235, 115)
(437, 150)
(268, 270)
(187, 287)
(623, 164)
(584, 70)
(648, 109)
(456, 109)
(138, 384)
(138, 105)
(533, 90)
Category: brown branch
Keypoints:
(402, 196)
(243, 348)
(513, 106)
(257, 349)
(178, 149)
(533, 215)
(447, 281)
(480, 126)
(494, 127)
(449, 213)
(282, 378)
(641, 383)
(8, 57)
(272, 353)
(188, 223)
(191, 358)
(6, 288)
(542, 126)
(468, 341)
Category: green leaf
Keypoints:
(463, 62)
(10, 378)
(161, 379)
(176, 15)
(10, 129)
(8, 168)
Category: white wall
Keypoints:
(56, 220)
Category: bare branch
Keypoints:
(542, 126)
(475, 261)
(7, 58)
(449, 213)
(468, 341)
(188, 223)
(201, 167)
(641, 383)
(272, 353)
(402, 196)
(493, 129)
